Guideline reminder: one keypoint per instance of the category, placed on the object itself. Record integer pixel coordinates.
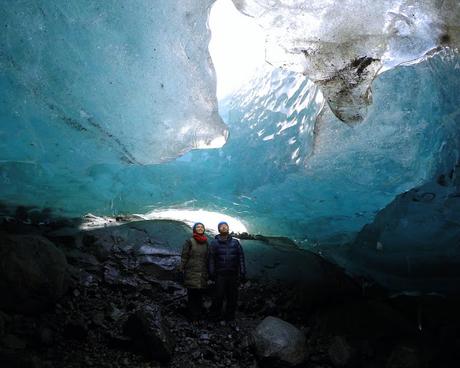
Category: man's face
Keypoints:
(223, 229)
(199, 229)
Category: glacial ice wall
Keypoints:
(344, 45)
(412, 245)
(88, 88)
(86, 82)
(290, 167)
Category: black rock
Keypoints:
(404, 356)
(33, 273)
(46, 336)
(13, 342)
(3, 323)
(150, 334)
(76, 330)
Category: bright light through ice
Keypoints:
(208, 218)
(237, 47)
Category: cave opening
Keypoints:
(237, 47)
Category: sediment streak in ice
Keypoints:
(343, 45)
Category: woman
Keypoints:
(194, 267)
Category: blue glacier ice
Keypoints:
(107, 108)
(108, 76)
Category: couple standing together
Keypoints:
(222, 261)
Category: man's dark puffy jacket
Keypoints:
(226, 257)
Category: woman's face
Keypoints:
(199, 229)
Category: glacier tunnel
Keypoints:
(342, 140)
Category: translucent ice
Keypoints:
(106, 81)
(289, 167)
(343, 45)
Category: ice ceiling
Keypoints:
(98, 99)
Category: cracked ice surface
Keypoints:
(129, 81)
(344, 45)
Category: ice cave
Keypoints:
(329, 127)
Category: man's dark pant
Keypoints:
(194, 303)
(226, 289)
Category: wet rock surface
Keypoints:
(150, 333)
(117, 312)
(279, 343)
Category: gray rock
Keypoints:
(98, 319)
(166, 262)
(137, 234)
(100, 250)
(150, 334)
(114, 277)
(277, 340)
(32, 273)
(82, 260)
(113, 312)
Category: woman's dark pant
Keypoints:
(226, 289)
(194, 303)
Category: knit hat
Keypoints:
(196, 224)
(220, 224)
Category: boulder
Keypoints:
(117, 279)
(32, 273)
(101, 250)
(83, 260)
(134, 234)
(150, 333)
(279, 342)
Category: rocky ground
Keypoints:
(120, 306)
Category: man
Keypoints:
(227, 268)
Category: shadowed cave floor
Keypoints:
(86, 327)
